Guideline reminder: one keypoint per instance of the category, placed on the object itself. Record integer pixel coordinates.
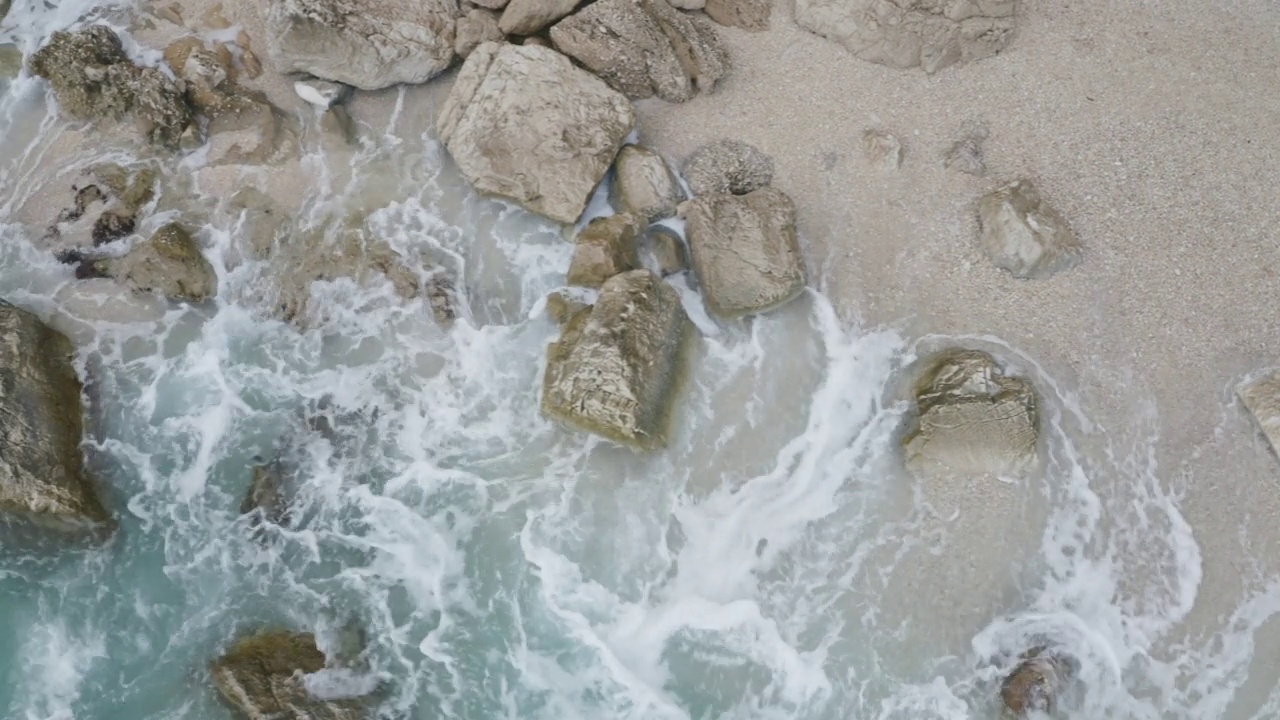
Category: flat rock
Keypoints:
(615, 369)
(169, 263)
(1261, 397)
(524, 124)
(477, 27)
(750, 15)
(42, 475)
(261, 677)
(370, 44)
(604, 248)
(745, 251)
(1023, 234)
(972, 419)
(644, 48)
(644, 184)
(930, 34)
(727, 166)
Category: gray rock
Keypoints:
(42, 475)
(972, 419)
(688, 4)
(10, 60)
(882, 149)
(490, 4)
(526, 17)
(644, 184)
(966, 154)
(170, 263)
(604, 248)
(324, 94)
(931, 34)
(1021, 233)
(615, 369)
(478, 26)
(1261, 397)
(750, 15)
(665, 248)
(745, 251)
(206, 74)
(523, 123)
(246, 128)
(261, 677)
(643, 48)
(727, 167)
(370, 44)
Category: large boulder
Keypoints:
(1023, 234)
(971, 418)
(615, 369)
(370, 44)
(931, 34)
(169, 263)
(42, 475)
(523, 123)
(1261, 397)
(262, 678)
(643, 48)
(606, 247)
(727, 166)
(745, 251)
(644, 184)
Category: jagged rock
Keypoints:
(121, 193)
(882, 149)
(261, 677)
(751, 15)
(1035, 683)
(966, 154)
(324, 94)
(526, 17)
(644, 184)
(561, 307)
(42, 475)
(478, 26)
(523, 123)
(1024, 235)
(666, 248)
(160, 109)
(615, 369)
(207, 75)
(643, 48)
(370, 45)
(727, 166)
(1261, 397)
(267, 496)
(170, 263)
(745, 251)
(972, 418)
(931, 34)
(604, 248)
(111, 226)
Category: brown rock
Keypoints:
(1035, 683)
(604, 248)
(170, 263)
(261, 677)
(561, 307)
(666, 248)
(644, 184)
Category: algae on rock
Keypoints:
(261, 676)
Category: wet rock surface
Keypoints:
(524, 124)
(727, 167)
(1036, 682)
(745, 251)
(1261, 397)
(261, 677)
(615, 369)
(604, 248)
(561, 307)
(42, 474)
(1023, 234)
(169, 263)
(972, 419)
(644, 184)
(666, 250)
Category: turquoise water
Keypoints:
(773, 563)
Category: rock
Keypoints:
(1035, 683)
(727, 166)
(523, 123)
(111, 226)
(476, 27)
(490, 4)
(170, 263)
(966, 154)
(10, 59)
(261, 677)
(442, 296)
(160, 108)
(123, 194)
(1024, 235)
(245, 128)
(972, 418)
(751, 15)
(688, 4)
(324, 94)
(337, 121)
(370, 45)
(561, 307)
(644, 184)
(604, 248)
(42, 475)
(537, 40)
(1261, 397)
(526, 17)
(267, 496)
(745, 251)
(615, 369)
(644, 48)
(882, 149)
(4, 8)
(666, 248)
(931, 34)
(207, 75)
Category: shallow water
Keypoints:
(774, 562)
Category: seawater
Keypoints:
(775, 562)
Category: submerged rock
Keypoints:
(1023, 234)
(1035, 683)
(262, 678)
(931, 34)
(170, 263)
(643, 48)
(727, 167)
(972, 418)
(644, 184)
(751, 15)
(369, 45)
(604, 248)
(42, 475)
(561, 307)
(267, 496)
(615, 369)
(745, 251)
(523, 123)
(1261, 397)
(665, 248)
